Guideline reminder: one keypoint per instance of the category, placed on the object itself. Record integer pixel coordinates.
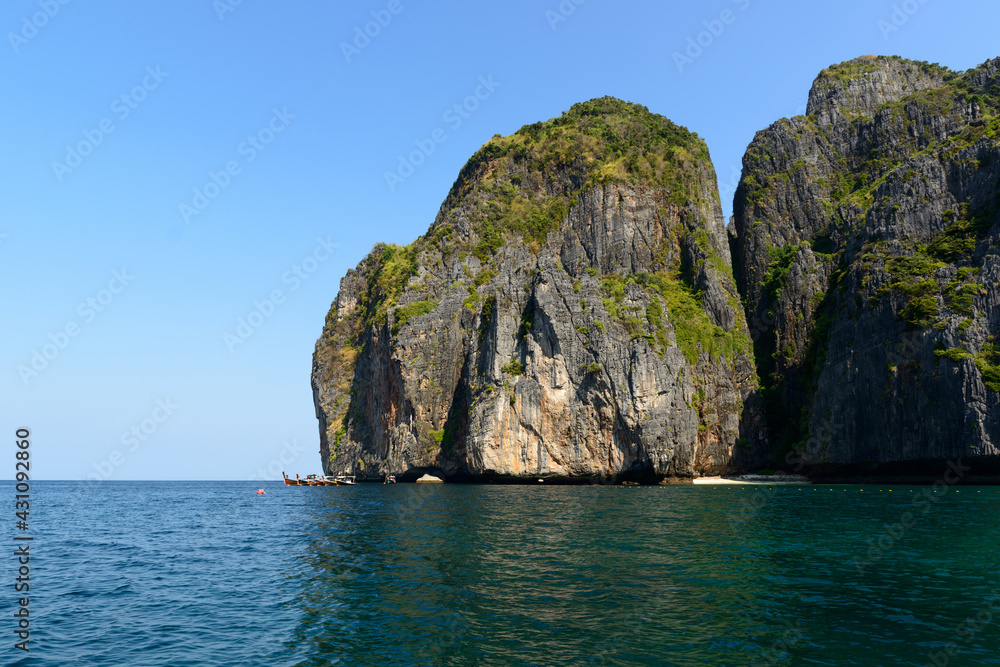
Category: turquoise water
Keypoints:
(134, 573)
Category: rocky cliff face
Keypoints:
(865, 247)
(571, 313)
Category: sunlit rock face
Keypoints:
(570, 314)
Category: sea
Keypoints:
(211, 573)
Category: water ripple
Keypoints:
(198, 573)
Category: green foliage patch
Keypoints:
(955, 354)
(693, 329)
(601, 141)
(406, 313)
(914, 274)
(390, 269)
(486, 317)
(921, 312)
(960, 238)
(777, 269)
(961, 298)
(988, 363)
(513, 368)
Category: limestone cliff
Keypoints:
(570, 314)
(865, 248)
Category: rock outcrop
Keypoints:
(865, 245)
(570, 314)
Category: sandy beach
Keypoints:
(752, 480)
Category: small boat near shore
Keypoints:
(320, 480)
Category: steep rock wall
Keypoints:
(865, 248)
(570, 314)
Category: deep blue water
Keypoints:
(139, 573)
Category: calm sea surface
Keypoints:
(140, 573)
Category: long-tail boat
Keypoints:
(319, 480)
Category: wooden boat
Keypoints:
(320, 480)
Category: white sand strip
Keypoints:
(757, 481)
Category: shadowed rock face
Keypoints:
(865, 246)
(571, 313)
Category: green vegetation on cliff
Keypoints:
(685, 313)
(600, 141)
(405, 313)
(898, 132)
(850, 70)
(523, 185)
(988, 363)
(468, 286)
(914, 274)
(849, 186)
(891, 181)
(390, 269)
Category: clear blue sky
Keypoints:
(198, 86)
